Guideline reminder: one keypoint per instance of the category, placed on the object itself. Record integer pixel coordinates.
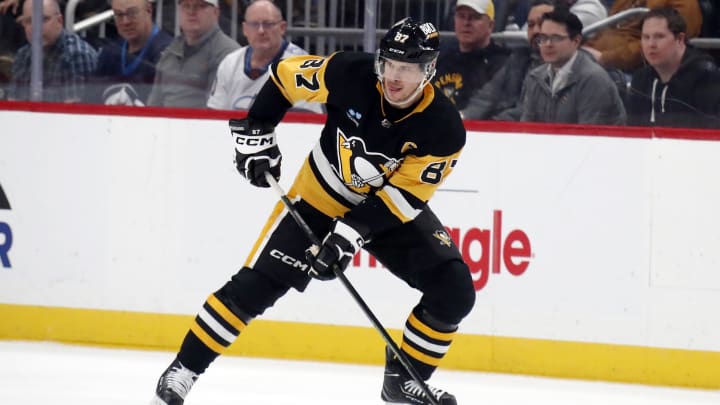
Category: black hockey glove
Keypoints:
(256, 150)
(338, 249)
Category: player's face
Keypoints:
(556, 46)
(264, 27)
(660, 46)
(533, 22)
(400, 79)
(133, 18)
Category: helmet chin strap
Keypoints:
(427, 76)
(409, 99)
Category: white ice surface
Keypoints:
(34, 373)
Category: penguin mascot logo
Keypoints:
(359, 168)
(443, 237)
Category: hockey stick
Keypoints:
(351, 289)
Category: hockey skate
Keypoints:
(173, 385)
(400, 388)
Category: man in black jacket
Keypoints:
(499, 99)
(679, 86)
(465, 65)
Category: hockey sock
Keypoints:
(213, 330)
(426, 340)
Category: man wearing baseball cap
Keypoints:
(466, 64)
(186, 71)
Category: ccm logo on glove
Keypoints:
(255, 141)
(256, 150)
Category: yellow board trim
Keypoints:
(289, 340)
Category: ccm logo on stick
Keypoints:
(289, 260)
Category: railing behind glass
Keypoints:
(327, 26)
(326, 33)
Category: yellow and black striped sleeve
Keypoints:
(297, 78)
(414, 183)
(301, 77)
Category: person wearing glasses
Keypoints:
(499, 99)
(186, 70)
(126, 66)
(242, 73)
(570, 87)
(618, 46)
(68, 61)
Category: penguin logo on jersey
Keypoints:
(360, 168)
(450, 84)
(443, 237)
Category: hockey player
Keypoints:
(390, 139)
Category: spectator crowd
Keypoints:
(639, 71)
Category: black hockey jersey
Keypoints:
(375, 164)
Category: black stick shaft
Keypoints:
(351, 289)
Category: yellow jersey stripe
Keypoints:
(270, 225)
(401, 209)
(280, 87)
(309, 189)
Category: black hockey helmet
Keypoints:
(410, 41)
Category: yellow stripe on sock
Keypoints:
(432, 333)
(207, 339)
(420, 356)
(227, 315)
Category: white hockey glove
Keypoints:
(338, 249)
(256, 150)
